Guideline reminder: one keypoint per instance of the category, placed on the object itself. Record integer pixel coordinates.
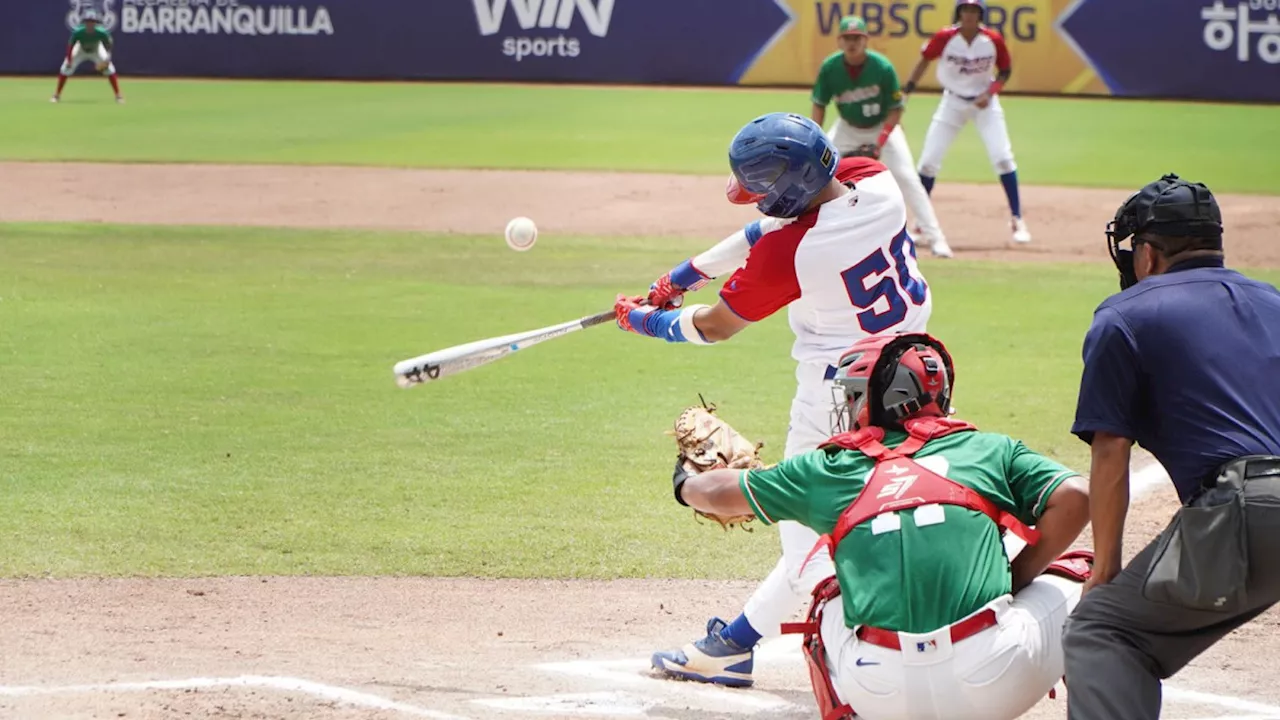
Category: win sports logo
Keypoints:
(534, 15)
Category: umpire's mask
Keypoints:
(1169, 206)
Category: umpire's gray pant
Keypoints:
(1119, 645)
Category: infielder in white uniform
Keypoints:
(834, 251)
(974, 66)
(864, 87)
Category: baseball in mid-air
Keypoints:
(521, 234)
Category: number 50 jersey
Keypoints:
(846, 269)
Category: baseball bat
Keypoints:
(460, 358)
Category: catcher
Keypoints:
(933, 620)
(90, 42)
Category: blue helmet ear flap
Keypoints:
(785, 157)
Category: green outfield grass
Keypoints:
(189, 401)
(1058, 141)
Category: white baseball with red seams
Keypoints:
(521, 234)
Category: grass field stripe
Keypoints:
(320, 690)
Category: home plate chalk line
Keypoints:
(642, 690)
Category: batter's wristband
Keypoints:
(687, 277)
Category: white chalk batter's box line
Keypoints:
(643, 692)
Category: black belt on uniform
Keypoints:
(966, 98)
(1255, 467)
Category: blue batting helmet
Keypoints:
(960, 4)
(785, 159)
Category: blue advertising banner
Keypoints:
(1219, 50)
(1210, 49)
(632, 41)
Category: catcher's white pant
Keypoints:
(996, 674)
(79, 57)
(896, 155)
(951, 116)
(787, 591)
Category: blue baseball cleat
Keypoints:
(713, 659)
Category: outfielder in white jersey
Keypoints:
(834, 251)
(974, 65)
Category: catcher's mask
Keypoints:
(783, 161)
(885, 379)
(1169, 206)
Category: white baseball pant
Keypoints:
(896, 155)
(79, 56)
(951, 116)
(996, 674)
(786, 590)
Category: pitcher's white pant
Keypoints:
(997, 674)
(79, 56)
(951, 116)
(787, 591)
(896, 155)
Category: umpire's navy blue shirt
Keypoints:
(1186, 363)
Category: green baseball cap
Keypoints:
(853, 25)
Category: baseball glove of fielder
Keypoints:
(706, 442)
(870, 150)
(100, 66)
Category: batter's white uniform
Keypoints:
(996, 674)
(844, 271)
(965, 71)
(79, 57)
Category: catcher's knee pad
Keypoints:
(815, 653)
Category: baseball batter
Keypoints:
(933, 621)
(833, 249)
(864, 87)
(974, 66)
(90, 42)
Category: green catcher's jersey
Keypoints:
(864, 97)
(89, 40)
(943, 562)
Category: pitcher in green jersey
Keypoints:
(90, 42)
(933, 619)
(864, 87)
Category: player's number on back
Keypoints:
(889, 288)
(870, 109)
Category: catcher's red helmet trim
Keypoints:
(863, 374)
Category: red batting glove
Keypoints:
(622, 309)
(664, 294)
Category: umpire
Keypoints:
(1185, 361)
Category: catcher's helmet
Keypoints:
(1169, 206)
(885, 379)
(783, 160)
(960, 4)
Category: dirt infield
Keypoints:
(1067, 223)
(330, 648)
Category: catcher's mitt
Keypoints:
(870, 150)
(706, 442)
